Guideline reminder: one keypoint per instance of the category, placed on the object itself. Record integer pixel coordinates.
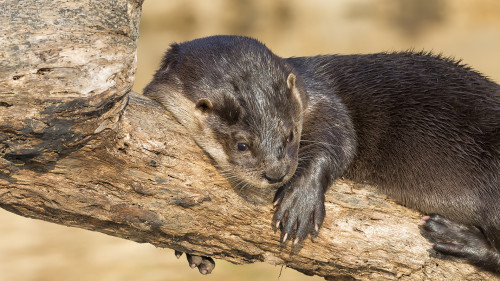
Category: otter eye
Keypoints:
(242, 146)
(290, 137)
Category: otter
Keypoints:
(423, 128)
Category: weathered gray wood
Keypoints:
(77, 148)
(65, 68)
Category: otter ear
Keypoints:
(204, 105)
(290, 81)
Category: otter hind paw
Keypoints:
(459, 240)
(204, 264)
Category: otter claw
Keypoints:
(275, 203)
(178, 254)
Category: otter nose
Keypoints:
(276, 175)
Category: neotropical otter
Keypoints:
(423, 128)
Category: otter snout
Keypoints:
(276, 175)
(274, 180)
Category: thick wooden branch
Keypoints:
(77, 148)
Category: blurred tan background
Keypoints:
(467, 29)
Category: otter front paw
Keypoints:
(300, 211)
(455, 239)
(204, 264)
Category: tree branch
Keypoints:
(78, 149)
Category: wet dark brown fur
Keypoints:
(423, 128)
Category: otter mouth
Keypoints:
(271, 180)
(263, 184)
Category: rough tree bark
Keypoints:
(78, 148)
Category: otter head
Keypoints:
(242, 104)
